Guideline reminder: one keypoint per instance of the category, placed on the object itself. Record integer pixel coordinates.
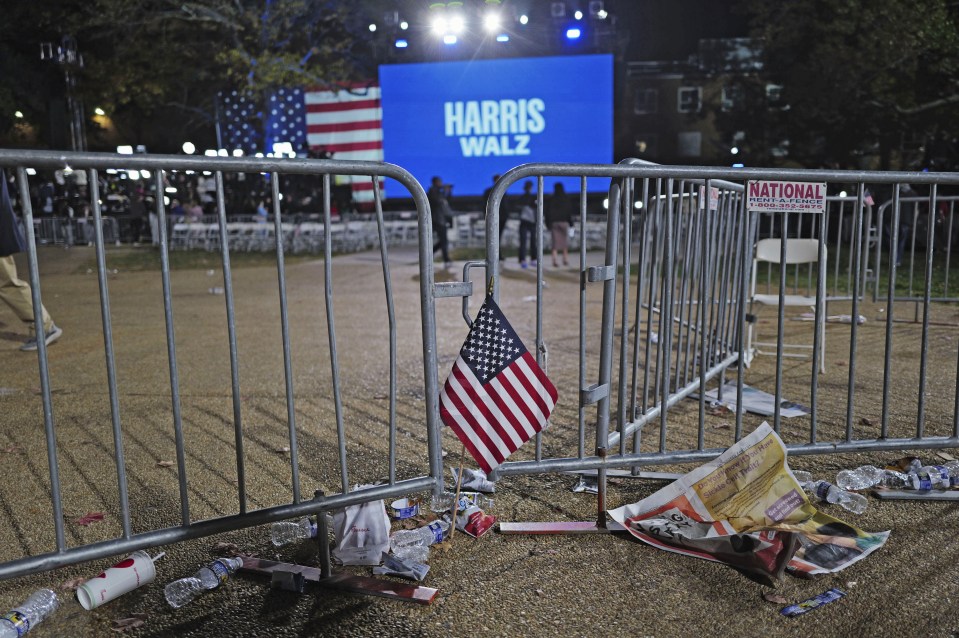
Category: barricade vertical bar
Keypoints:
(110, 358)
(285, 331)
(818, 332)
(391, 318)
(952, 215)
(666, 334)
(856, 258)
(331, 331)
(704, 251)
(748, 237)
(582, 319)
(685, 304)
(231, 330)
(641, 261)
(720, 300)
(890, 309)
(609, 318)
(538, 251)
(781, 318)
(48, 424)
(912, 254)
(641, 276)
(839, 227)
(927, 292)
(171, 345)
(653, 226)
(624, 312)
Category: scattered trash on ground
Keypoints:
(813, 603)
(128, 624)
(775, 598)
(362, 533)
(756, 401)
(89, 518)
(165, 463)
(133, 571)
(211, 576)
(33, 611)
(746, 509)
(587, 484)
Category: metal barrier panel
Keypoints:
(200, 488)
(910, 228)
(678, 298)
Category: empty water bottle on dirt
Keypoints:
(286, 532)
(415, 543)
(180, 592)
(829, 493)
(933, 477)
(866, 476)
(35, 609)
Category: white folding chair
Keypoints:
(798, 251)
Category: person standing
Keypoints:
(13, 291)
(438, 196)
(527, 224)
(559, 215)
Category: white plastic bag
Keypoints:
(362, 533)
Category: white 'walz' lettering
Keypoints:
(486, 145)
(494, 127)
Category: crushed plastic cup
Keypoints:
(131, 572)
(405, 508)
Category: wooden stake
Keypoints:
(459, 482)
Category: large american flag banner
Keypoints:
(347, 122)
(344, 122)
(496, 397)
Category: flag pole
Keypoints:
(459, 482)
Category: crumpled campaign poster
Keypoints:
(746, 509)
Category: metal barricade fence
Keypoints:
(909, 229)
(142, 533)
(676, 302)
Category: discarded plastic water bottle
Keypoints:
(862, 477)
(829, 493)
(286, 532)
(180, 592)
(34, 610)
(444, 502)
(802, 476)
(866, 476)
(930, 477)
(415, 543)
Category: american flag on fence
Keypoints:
(347, 123)
(496, 397)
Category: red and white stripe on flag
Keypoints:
(348, 124)
(496, 397)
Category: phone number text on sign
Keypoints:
(786, 197)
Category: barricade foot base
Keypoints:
(343, 582)
(916, 495)
(564, 527)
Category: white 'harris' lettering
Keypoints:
(494, 117)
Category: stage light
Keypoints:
(210, 152)
(601, 14)
(238, 152)
(449, 39)
(578, 15)
(99, 111)
(18, 114)
(502, 37)
(372, 28)
(402, 44)
(125, 150)
(439, 25)
(457, 24)
(573, 34)
(189, 148)
(404, 25)
(523, 19)
(491, 22)
(734, 150)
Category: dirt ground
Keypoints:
(499, 585)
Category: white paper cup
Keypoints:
(131, 572)
(405, 508)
